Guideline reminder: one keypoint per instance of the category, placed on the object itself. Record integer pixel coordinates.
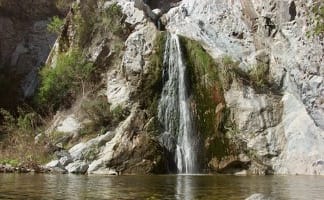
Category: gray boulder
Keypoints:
(78, 167)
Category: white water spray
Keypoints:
(174, 108)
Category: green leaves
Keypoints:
(55, 25)
(61, 82)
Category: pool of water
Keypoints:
(47, 186)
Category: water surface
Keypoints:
(45, 186)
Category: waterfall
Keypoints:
(174, 109)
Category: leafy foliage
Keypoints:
(63, 5)
(18, 134)
(107, 22)
(55, 25)
(101, 116)
(61, 83)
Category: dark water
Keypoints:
(14, 186)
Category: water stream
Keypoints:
(174, 109)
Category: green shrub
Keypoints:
(63, 5)
(19, 133)
(8, 121)
(118, 114)
(26, 121)
(98, 111)
(111, 19)
(101, 116)
(12, 162)
(107, 22)
(61, 83)
(55, 25)
(259, 75)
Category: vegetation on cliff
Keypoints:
(68, 76)
(208, 100)
(318, 21)
(55, 25)
(61, 82)
(151, 82)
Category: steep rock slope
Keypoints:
(258, 91)
(120, 41)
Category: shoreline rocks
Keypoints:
(22, 169)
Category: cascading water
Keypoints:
(174, 109)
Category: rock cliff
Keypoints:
(256, 80)
(24, 44)
(283, 126)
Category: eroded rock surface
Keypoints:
(284, 130)
(276, 127)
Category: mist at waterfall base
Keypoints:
(174, 114)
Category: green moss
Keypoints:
(207, 91)
(151, 83)
(318, 21)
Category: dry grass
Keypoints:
(21, 149)
(17, 138)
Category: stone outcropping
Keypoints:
(283, 128)
(276, 124)
(128, 148)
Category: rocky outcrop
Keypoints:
(282, 125)
(266, 101)
(129, 147)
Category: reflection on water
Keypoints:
(184, 187)
(14, 186)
